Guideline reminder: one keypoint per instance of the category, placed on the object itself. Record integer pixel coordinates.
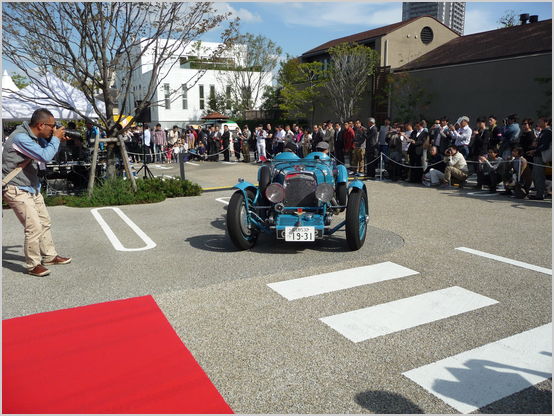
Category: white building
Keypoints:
(452, 14)
(181, 97)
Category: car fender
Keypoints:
(357, 184)
(360, 185)
(342, 174)
(243, 186)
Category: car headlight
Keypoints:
(324, 192)
(275, 193)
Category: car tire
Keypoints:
(356, 219)
(265, 179)
(342, 194)
(242, 235)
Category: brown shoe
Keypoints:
(40, 270)
(57, 260)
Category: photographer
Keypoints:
(29, 148)
(246, 141)
(462, 136)
(456, 168)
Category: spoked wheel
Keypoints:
(356, 219)
(242, 232)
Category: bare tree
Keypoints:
(255, 57)
(348, 76)
(91, 44)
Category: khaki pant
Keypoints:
(32, 213)
(454, 173)
(246, 153)
(358, 161)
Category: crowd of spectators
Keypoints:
(444, 155)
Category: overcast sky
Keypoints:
(300, 26)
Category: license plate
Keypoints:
(299, 233)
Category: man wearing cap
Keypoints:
(290, 147)
(462, 136)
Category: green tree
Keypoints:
(255, 58)
(19, 80)
(406, 95)
(94, 44)
(302, 92)
(347, 77)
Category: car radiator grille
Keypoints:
(300, 191)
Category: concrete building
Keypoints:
(492, 72)
(452, 14)
(183, 94)
(398, 44)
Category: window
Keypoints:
(184, 90)
(426, 35)
(212, 92)
(167, 97)
(228, 97)
(201, 93)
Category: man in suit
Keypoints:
(417, 139)
(226, 140)
(339, 143)
(217, 141)
(372, 148)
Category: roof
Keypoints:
(215, 116)
(521, 40)
(369, 34)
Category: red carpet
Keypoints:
(114, 357)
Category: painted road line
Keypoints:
(476, 378)
(223, 200)
(111, 235)
(375, 321)
(344, 279)
(482, 193)
(506, 260)
(190, 163)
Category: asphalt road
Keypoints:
(266, 354)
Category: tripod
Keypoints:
(147, 171)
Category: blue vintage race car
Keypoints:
(296, 200)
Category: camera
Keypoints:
(74, 135)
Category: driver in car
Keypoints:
(323, 147)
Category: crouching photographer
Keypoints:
(456, 168)
(28, 149)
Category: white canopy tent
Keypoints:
(21, 105)
(8, 86)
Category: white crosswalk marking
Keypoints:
(506, 260)
(481, 376)
(344, 279)
(375, 321)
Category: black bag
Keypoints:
(519, 190)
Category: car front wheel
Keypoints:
(356, 219)
(242, 231)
